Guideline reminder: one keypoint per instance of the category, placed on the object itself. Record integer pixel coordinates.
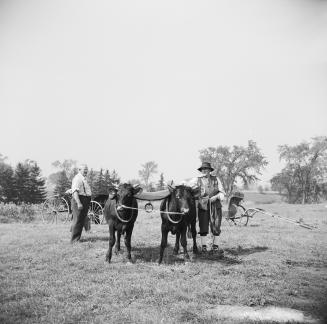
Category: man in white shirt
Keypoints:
(81, 197)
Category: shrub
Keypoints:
(23, 213)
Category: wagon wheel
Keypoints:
(66, 210)
(54, 209)
(243, 219)
(95, 212)
(249, 213)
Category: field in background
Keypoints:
(252, 197)
(44, 279)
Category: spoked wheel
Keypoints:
(230, 220)
(243, 219)
(240, 218)
(95, 212)
(249, 213)
(55, 209)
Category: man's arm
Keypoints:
(75, 190)
(220, 195)
(76, 197)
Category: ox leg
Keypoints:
(112, 239)
(193, 231)
(176, 248)
(117, 247)
(163, 245)
(128, 236)
(184, 243)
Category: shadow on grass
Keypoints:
(225, 259)
(246, 251)
(94, 239)
(151, 254)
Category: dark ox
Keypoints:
(120, 216)
(177, 214)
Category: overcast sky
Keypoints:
(115, 84)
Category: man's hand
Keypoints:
(79, 206)
(221, 196)
(213, 199)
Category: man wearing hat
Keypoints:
(209, 206)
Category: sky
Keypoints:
(115, 84)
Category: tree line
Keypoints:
(302, 180)
(22, 184)
(100, 181)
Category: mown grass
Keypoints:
(44, 279)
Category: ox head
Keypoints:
(125, 194)
(182, 197)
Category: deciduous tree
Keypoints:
(147, 171)
(305, 175)
(238, 162)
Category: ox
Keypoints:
(177, 214)
(120, 212)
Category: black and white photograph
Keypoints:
(163, 161)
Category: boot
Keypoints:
(216, 250)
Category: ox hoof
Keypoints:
(186, 257)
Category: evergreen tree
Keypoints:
(99, 186)
(91, 180)
(7, 192)
(38, 191)
(28, 183)
(22, 182)
(161, 183)
(107, 180)
(63, 184)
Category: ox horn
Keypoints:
(170, 184)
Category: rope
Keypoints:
(123, 220)
(168, 213)
(161, 211)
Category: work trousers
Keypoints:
(212, 216)
(80, 218)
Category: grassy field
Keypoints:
(44, 279)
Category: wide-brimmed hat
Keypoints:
(238, 194)
(206, 165)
